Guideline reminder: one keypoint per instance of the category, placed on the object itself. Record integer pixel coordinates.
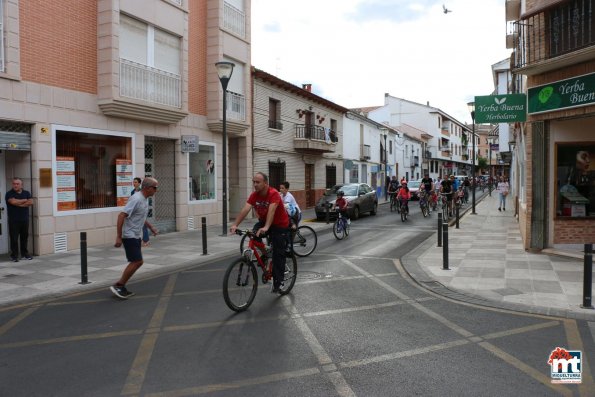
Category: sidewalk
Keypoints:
(488, 266)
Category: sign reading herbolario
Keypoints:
(563, 94)
(495, 109)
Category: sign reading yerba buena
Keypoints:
(563, 94)
(500, 108)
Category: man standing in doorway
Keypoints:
(129, 232)
(272, 218)
(18, 201)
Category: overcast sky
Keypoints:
(353, 51)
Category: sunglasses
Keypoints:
(154, 187)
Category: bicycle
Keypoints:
(404, 210)
(304, 238)
(240, 282)
(423, 203)
(340, 227)
(393, 201)
(444, 205)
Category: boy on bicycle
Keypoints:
(404, 195)
(341, 206)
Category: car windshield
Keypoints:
(414, 184)
(350, 190)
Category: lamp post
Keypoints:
(385, 168)
(471, 106)
(224, 71)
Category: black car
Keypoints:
(360, 198)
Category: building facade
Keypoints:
(95, 93)
(554, 57)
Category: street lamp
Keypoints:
(224, 71)
(471, 106)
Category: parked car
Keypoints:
(414, 189)
(329, 196)
(360, 198)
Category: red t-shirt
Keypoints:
(261, 205)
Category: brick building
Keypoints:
(96, 92)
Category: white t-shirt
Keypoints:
(289, 199)
(137, 208)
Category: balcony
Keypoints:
(364, 151)
(234, 20)
(236, 106)
(275, 125)
(554, 38)
(445, 130)
(314, 139)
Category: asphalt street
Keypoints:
(354, 325)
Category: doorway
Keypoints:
(3, 209)
(160, 164)
(308, 183)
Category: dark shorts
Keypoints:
(132, 249)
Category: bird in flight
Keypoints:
(446, 10)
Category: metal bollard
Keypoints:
(445, 246)
(328, 212)
(439, 229)
(587, 277)
(457, 215)
(203, 224)
(84, 277)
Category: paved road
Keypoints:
(354, 325)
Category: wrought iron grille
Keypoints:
(331, 176)
(276, 173)
(554, 32)
(160, 164)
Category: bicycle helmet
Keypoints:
(404, 183)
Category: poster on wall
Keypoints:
(65, 183)
(123, 181)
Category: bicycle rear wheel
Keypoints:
(338, 229)
(304, 241)
(240, 284)
(403, 213)
(290, 275)
(424, 210)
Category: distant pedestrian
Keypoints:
(386, 185)
(136, 183)
(129, 230)
(18, 202)
(502, 189)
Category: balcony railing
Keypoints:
(365, 152)
(276, 125)
(236, 106)
(315, 132)
(554, 32)
(234, 20)
(149, 84)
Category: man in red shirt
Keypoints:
(272, 218)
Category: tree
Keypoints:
(482, 163)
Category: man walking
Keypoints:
(272, 218)
(129, 232)
(19, 201)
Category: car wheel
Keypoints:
(374, 209)
(355, 212)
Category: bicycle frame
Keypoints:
(257, 247)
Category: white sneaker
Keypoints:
(349, 221)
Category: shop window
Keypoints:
(92, 170)
(575, 176)
(202, 181)
(354, 174)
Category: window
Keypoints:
(202, 182)
(354, 174)
(92, 170)
(275, 114)
(150, 63)
(390, 147)
(276, 173)
(575, 180)
(331, 176)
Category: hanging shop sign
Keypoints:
(123, 181)
(501, 108)
(189, 143)
(563, 94)
(65, 183)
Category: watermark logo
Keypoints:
(566, 365)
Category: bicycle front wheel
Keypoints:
(240, 284)
(289, 276)
(304, 241)
(338, 230)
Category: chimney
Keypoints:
(307, 87)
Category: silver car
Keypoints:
(360, 198)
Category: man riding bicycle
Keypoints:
(393, 187)
(272, 218)
(446, 188)
(428, 185)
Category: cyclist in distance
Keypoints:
(272, 218)
(428, 185)
(341, 204)
(289, 199)
(446, 188)
(404, 194)
(393, 186)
